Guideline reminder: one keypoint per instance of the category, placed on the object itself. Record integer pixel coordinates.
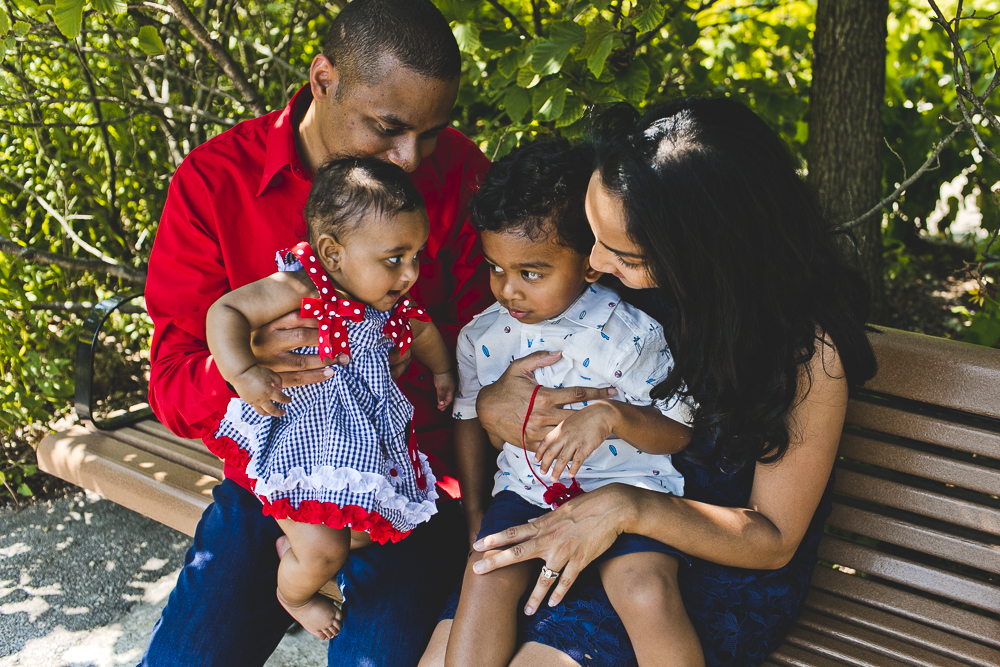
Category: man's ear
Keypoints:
(589, 273)
(329, 251)
(323, 78)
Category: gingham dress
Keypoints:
(343, 454)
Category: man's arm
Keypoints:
(187, 273)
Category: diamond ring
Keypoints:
(549, 574)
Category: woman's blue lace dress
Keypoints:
(740, 615)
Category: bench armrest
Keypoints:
(85, 346)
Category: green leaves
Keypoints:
(650, 18)
(516, 102)
(549, 54)
(110, 7)
(633, 82)
(602, 37)
(150, 42)
(4, 23)
(68, 15)
(467, 36)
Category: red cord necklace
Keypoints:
(558, 493)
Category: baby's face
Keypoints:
(377, 261)
(535, 280)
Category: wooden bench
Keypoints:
(909, 570)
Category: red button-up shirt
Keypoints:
(238, 199)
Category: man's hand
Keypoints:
(503, 404)
(272, 345)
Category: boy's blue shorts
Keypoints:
(509, 509)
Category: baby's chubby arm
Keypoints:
(429, 348)
(229, 323)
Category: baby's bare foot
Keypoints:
(319, 616)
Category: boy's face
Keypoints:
(535, 280)
(376, 262)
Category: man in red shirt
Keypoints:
(384, 87)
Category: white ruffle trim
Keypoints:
(334, 479)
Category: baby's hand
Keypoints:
(573, 440)
(261, 388)
(445, 384)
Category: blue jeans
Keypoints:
(224, 611)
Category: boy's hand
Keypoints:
(576, 438)
(261, 388)
(445, 385)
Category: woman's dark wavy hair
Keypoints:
(743, 255)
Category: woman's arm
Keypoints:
(763, 535)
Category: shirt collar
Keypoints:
(281, 151)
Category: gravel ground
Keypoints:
(82, 582)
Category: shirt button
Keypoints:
(420, 378)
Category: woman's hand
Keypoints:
(272, 345)
(567, 539)
(503, 404)
(576, 438)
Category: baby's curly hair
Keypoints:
(345, 189)
(538, 189)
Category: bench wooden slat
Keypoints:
(902, 629)
(914, 536)
(923, 464)
(869, 640)
(836, 650)
(155, 428)
(924, 427)
(160, 489)
(901, 496)
(910, 573)
(201, 460)
(876, 595)
(788, 655)
(937, 371)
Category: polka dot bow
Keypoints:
(330, 310)
(398, 326)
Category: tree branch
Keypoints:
(894, 197)
(63, 222)
(105, 137)
(966, 92)
(513, 19)
(221, 56)
(72, 263)
(77, 307)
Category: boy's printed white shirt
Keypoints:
(604, 343)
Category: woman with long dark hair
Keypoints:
(699, 208)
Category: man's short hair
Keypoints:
(536, 190)
(413, 31)
(345, 190)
